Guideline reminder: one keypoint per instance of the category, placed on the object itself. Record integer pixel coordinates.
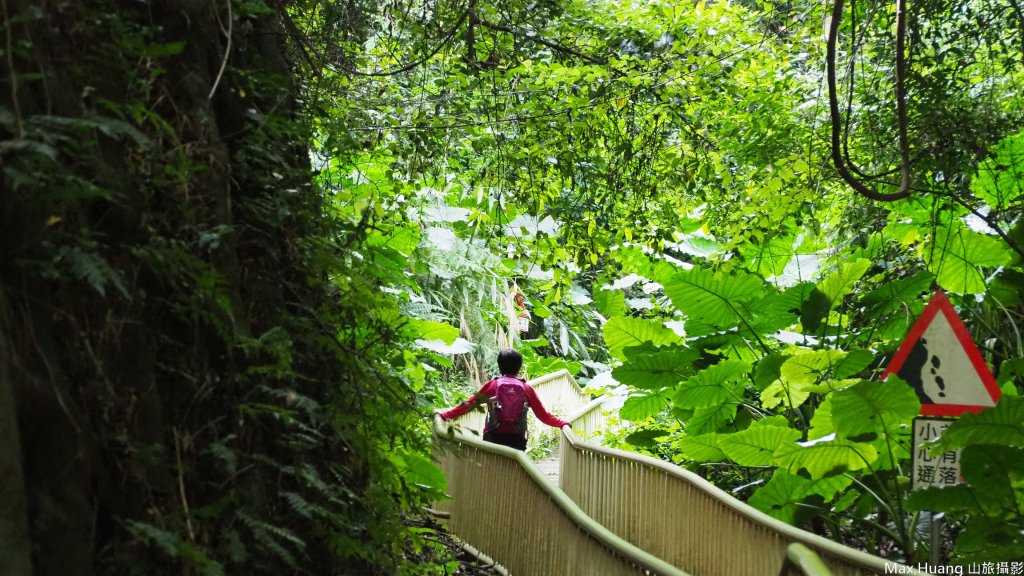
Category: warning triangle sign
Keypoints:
(940, 360)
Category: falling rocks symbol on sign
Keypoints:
(923, 373)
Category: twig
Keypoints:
(542, 41)
(227, 52)
(405, 68)
(8, 25)
(181, 488)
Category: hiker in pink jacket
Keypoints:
(509, 397)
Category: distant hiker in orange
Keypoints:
(509, 397)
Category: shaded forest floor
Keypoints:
(448, 545)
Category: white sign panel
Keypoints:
(927, 470)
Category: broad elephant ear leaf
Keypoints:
(1000, 178)
(712, 386)
(712, 418)
(622, 331)
(899, 294)
(873, 407)
(821, 422)
(841, 282)
(956, 257)
(637, 408)
(994, 472)
(811, 366)
(784, 495)
(824, 458)
(770, 258)
(663, 369)
(702, 448)
(420, 470)
(713, 298)
(610, 302)
(756, 445)
(430, 330)
(1001, 425)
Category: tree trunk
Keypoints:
(15, 548)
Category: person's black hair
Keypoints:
(509, 362)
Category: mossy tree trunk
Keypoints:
(156, 209)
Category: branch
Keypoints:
(991, 222)
(449, 35)
(901, 107)
(300, 39)
(227, 51)
(553, 45)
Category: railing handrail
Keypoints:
(585, 523)
(590, 407)
(813, 541)
(541, 380)
(803, 561)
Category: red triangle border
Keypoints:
(940, 303)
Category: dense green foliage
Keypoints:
(248, 247)
(668, 169)
(206, 375)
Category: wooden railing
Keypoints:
(688, 522)
(504, 506)
(802, 561)
(616, 512)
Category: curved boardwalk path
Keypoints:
(592, 511)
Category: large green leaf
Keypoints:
(810, 367)
(984, 541)
(854, 362)
(784, 495)
(703, 448)
(712, 385)
(622, 331)
(637, 408)
(646, 437)
(814, 311)
(955, 257)
(791, 300)
(710, 297)
(768, 369)
(610, 302)
(1006, 288)
(899, 294)
(1000, 178)
(841, 282)
(958, 498)
(418, 469)
(781, 392)
(770, 258)
(401, 238)
(756, 445)
(767, 318)
(711, 419)
(873, 407)
(996, 474)
(822, 458)
(821, 422)
(430, 330)
(658, 370)
(1002, 424)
